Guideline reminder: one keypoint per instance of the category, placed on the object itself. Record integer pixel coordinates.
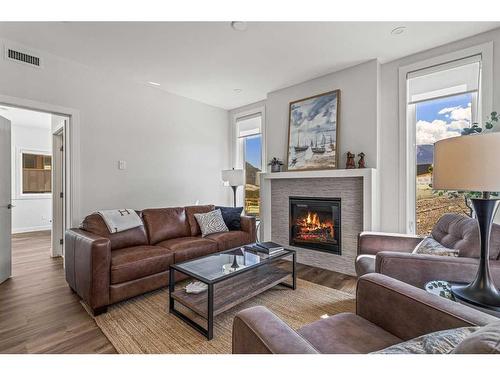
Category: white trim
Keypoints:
(485, 104)
(31, 229)
(73, 203)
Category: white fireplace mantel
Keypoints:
(370, 193)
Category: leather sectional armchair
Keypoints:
(104, 268)
(388, 312)
(391, 254)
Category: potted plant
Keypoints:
(275, 164)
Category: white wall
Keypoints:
(31, 212)
(174, 147)
(389, 129)
(358, 111)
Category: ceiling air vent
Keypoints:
(22, 57)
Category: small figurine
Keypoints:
(350, 164)
(361, 161)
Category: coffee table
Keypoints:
(232, 277)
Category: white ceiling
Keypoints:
(206, 61)
(25, 117)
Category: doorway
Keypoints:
(34, 179)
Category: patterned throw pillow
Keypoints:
(441, 342)
(430, 246)
(211, 222)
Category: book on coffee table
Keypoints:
(268, 247)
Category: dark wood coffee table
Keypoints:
(232, 277)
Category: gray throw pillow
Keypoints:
(441, 342)
(211, 222)
(430, 246)
(485, 340)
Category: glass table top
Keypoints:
(219, 265)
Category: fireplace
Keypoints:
(315, 223)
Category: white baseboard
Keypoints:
(31, 229)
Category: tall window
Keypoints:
(249, 157)
(443, 101)
(37, 173)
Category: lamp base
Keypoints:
(485, 296)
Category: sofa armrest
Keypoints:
(257, 330)
(87, 261)
(373, 242)
(418, 269)
(248, 225)
(408, 312)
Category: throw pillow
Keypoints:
(430, 246)
(441, 342)
(231, 216)
(211, 222)
(485, 340)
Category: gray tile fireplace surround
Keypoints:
(349, 190)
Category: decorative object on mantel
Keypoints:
(361, 161)
(470, 163)
(350, 164)
(312, 132)
(234, 178)
(275, 164)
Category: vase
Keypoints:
(275, 168)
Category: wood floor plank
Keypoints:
(40, 314)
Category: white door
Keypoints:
(5, 201)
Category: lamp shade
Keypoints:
(234, 177)
(469, 163)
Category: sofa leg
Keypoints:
(99, 310)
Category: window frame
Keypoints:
(407, 127)
(19, 174)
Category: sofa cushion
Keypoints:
(365, 263)
(347, 333)
(132, 237)
(187, 248)
(165, 223)
(135, 262)
(462, 233)
(228, 240)
(440, 342)
(231, 216)
(193, 223)
(485, 340)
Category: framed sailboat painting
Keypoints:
(313, 130)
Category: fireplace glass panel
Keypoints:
(315, 223)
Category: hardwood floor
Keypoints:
(38, 311)
(40, 314)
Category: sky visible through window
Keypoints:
(253, 147)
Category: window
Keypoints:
(36, 173)
(443, 101)
(249, 157)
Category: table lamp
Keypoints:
(472, 163)
(234, 178)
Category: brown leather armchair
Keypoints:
(388, 312)
(104, 268)
(391, 254)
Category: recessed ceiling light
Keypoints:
(398, 30)
(237, 90)
(154, 83)
(239, 25)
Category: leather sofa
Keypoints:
(104, 268)
(391, 254)
(388, 312)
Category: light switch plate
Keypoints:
(122, 164)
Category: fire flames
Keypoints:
(311, 228)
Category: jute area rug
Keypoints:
(142, 325)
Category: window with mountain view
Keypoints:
(437, 119)
(249, 157)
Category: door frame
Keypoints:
(72, 205)
(58, 186)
